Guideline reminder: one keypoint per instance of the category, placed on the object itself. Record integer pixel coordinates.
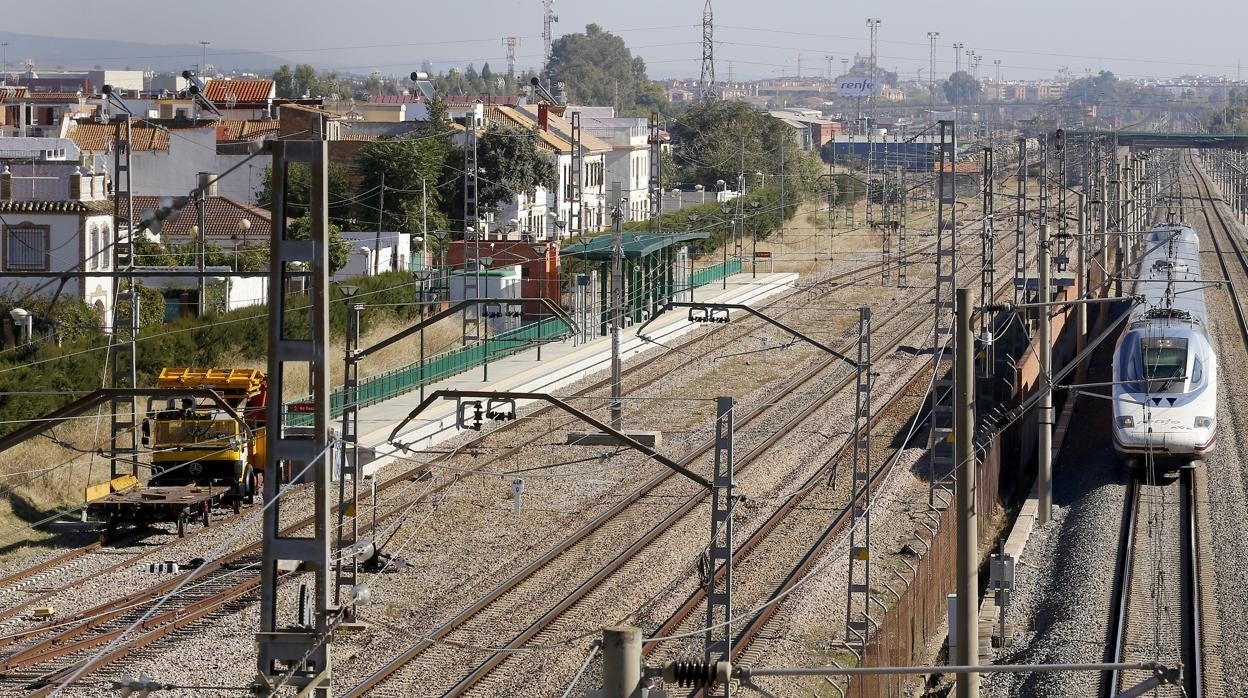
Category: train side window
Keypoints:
(1130, 373)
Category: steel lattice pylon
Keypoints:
(292, 653)
(124, 414)
(706, 83)
(1020, 225)
(858, 622)
(940, 435)
(718, 637)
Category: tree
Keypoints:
(299, 191)
(707, 142)
(305, 82)
(512, 163)
(961, 88)
(339, 251)
(597, 68)
(284, 82)
(412, 168)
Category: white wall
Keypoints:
(191, 151)
(360, 261)
(66, 247)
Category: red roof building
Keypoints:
(229, 93)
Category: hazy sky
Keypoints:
(759, 38)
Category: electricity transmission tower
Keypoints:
(707, 83)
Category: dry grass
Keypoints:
(42, 476)
(443, 336)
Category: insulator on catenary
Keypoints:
(693, 674)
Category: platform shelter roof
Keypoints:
(636, 244)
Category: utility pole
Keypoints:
(621, 662)
(201, 247)
(124, 414)
(957, 68)
(1020, 224)
(350, 463)
(941, 457)
(1044, 479)
(381, 212)
(292, 653)
(783, 214)
(968, 524)
(858, 601)
(719, 596)
(931, 69)
(617, 308)
(548, 38)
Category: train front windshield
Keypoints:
(1153, 364)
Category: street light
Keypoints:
(762, 184)
(244, 225)
(732, 223)
(25, 321)
(700, 188)
(754, 234)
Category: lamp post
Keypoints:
(762, 179)
(754, 251)
(542, 252)
(702, 189)
(422, 274)
(680, 200)
(244, 225)
(732, 227)
(25, 322)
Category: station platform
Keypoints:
(562, 363)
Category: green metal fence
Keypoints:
(704, 276)
(406, 379)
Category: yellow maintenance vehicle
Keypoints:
(201, 456)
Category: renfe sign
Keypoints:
(854, 87)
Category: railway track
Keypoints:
(71, 642)
(1156, 613)
(781, 532)
(1237, 282)
(475, 626)
(50, 660)
(439, 644)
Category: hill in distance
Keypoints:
(54, 53)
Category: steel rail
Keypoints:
(1120, 598)
(595, 524)
(497, 658)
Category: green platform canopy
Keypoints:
(637, 244)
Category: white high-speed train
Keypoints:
(1165, 389)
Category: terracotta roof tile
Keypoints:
(221, 217)
(311, 109)
(222, 91)
(243, 129)
(99, 137)
(392, 99)
(465, 100)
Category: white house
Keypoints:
(166, 162)
(65, 223)
(628, 161)
(375, 252)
